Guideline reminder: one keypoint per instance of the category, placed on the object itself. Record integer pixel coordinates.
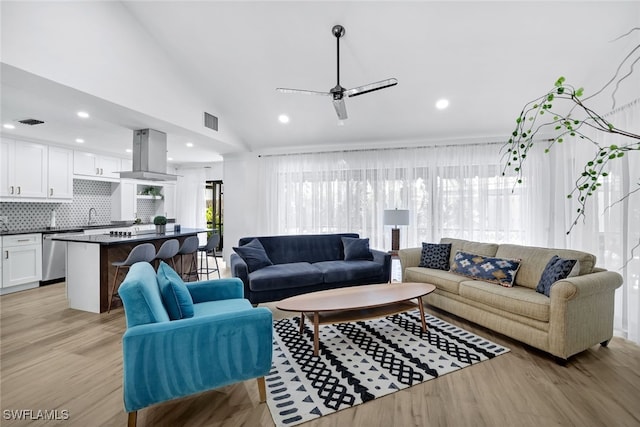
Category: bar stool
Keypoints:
(211, 246)
(167, 251)
(190, 248)
(144, 252)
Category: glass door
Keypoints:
(215, 208)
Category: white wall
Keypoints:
(100, 49)
(241, 191)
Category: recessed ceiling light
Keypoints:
(83, 114)
(129, 150)
(8, 126)
(283, 118)
(442, 104)
(189, 144)
(169, 158)
(79, 140)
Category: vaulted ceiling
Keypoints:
(161, 64)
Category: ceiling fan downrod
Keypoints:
(338, 91)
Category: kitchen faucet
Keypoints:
(92, 221)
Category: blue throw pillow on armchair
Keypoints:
(175, 295)
(254, 255)
(356, 249)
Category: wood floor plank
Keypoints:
(53, 357)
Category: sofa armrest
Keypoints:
(409, 257)
(586, 285)
(384, 258)
(214, 290)
(167, 360)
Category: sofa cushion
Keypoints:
(517, 300)
(486, 249)
(348, 271)
(302, 248)
(557, 269)
(175, 295)
(281, 276)
(356, 249)
(254, 255)
(444, 280)
(501, 271)
(534, 261)
(435, 255)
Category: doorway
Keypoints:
(215, 209)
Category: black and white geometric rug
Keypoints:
(362, 361)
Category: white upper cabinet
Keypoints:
(169, 191)
(95, 166)
(123, 201)
(24, 170)
(60, 173)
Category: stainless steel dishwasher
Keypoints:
(54, 257)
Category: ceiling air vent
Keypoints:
(210, 121)
(30, 122)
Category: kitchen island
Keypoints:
(89, 257)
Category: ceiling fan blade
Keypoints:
(302, 92)
(360, 90)
(341, 108)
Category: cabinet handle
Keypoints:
(23, 240)
(11, 189)
(6, 254)
(101, 172)
(51, 192)
(97, 171)
(19, 190)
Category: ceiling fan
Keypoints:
(338, 92)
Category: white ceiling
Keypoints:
(487, 58)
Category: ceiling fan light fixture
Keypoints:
(338, 92)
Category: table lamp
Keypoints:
(395, 217)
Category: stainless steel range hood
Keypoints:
(149, 156)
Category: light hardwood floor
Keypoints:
(53, 357)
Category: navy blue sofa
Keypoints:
(306, 263)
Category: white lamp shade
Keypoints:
(396, 217)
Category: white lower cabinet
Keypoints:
(21, 262)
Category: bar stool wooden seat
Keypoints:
(144, 252)
(167, 251)
(189, 248)
(210, 247)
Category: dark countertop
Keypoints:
(54, 230)
(107, 239)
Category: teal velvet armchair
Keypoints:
(183, 339)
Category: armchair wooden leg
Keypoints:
(133, 418)
(262, 389)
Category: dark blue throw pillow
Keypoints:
(435, 255)
(557, 269)
(356, 249)
(254, 255)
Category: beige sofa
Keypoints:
(577, 315)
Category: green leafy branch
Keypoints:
(541, 117)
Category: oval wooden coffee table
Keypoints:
(356, 303)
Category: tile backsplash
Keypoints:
(86, 195)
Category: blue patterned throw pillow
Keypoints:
(435, 255)
(557, 269)
(489, 269)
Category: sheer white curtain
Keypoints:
(459, 191)
(191, 198)
(454, 191)
(611, 226)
